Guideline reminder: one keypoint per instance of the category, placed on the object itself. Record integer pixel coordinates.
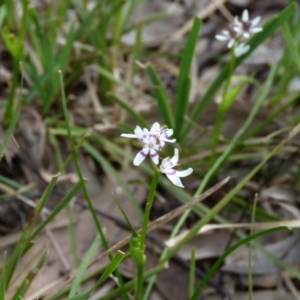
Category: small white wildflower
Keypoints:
(229, 35)
(241, 49)
(167, 166)
(246, 27)
(153, 141)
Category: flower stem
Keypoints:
(148, 208)
(140, 266)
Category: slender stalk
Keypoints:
(141, 263)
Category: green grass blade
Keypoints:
(83, 295)
(183, 88)
(11, 128)
(62, 203)
(161, 96)
(85, 263)
(111, 170)
(116, 260)
(3, 13)
(291, 45)
(29, 278)
(268, 29)
(192, 272)
(2, 278)
(219, 261)
(76, 162)
(135, 116)
(112, 266)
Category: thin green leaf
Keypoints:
(161, 96)
(183, 87)
(226, 253)
(77, 165)
(85, 263)
(113, 264)
(2, 278)
(83, 295)
(29, 278)
(3, 12)
(192, 272)
(136, 117)
(268, 29)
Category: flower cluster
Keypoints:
(239, 32)
(153, 141)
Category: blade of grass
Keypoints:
(76, 162)
(136, 116)
(268, 29)
(250, 283)
(85, 263)
(111, 170)
(160, 96)
(192, 272)
(2, 278)
(29, 278)
(183, 87)
(226, 253)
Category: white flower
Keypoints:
(246, 27)
(167, 166)
(153, 141)
(229, 35)
(241, 49)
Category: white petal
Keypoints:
(255, 21)
(140, 156)
(162, 139)
(138, 131)
(174, 159)
(231, 43)
(164, 165)
(175, 180)
(184, 173)
(246, 35)
(155, 128)
(129, 135)
(221, 37)
(236, 21)
(245, 16)
(154, 156)
(257, 29)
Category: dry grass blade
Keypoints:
(256, 226)
(166, 218)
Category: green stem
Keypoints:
(140, 266)
(148, 208)
(139, 282)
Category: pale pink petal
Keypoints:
(140, 156)
(175, 180)
(154, 156)
(255, 21)
(129, 135)
(245, 16)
